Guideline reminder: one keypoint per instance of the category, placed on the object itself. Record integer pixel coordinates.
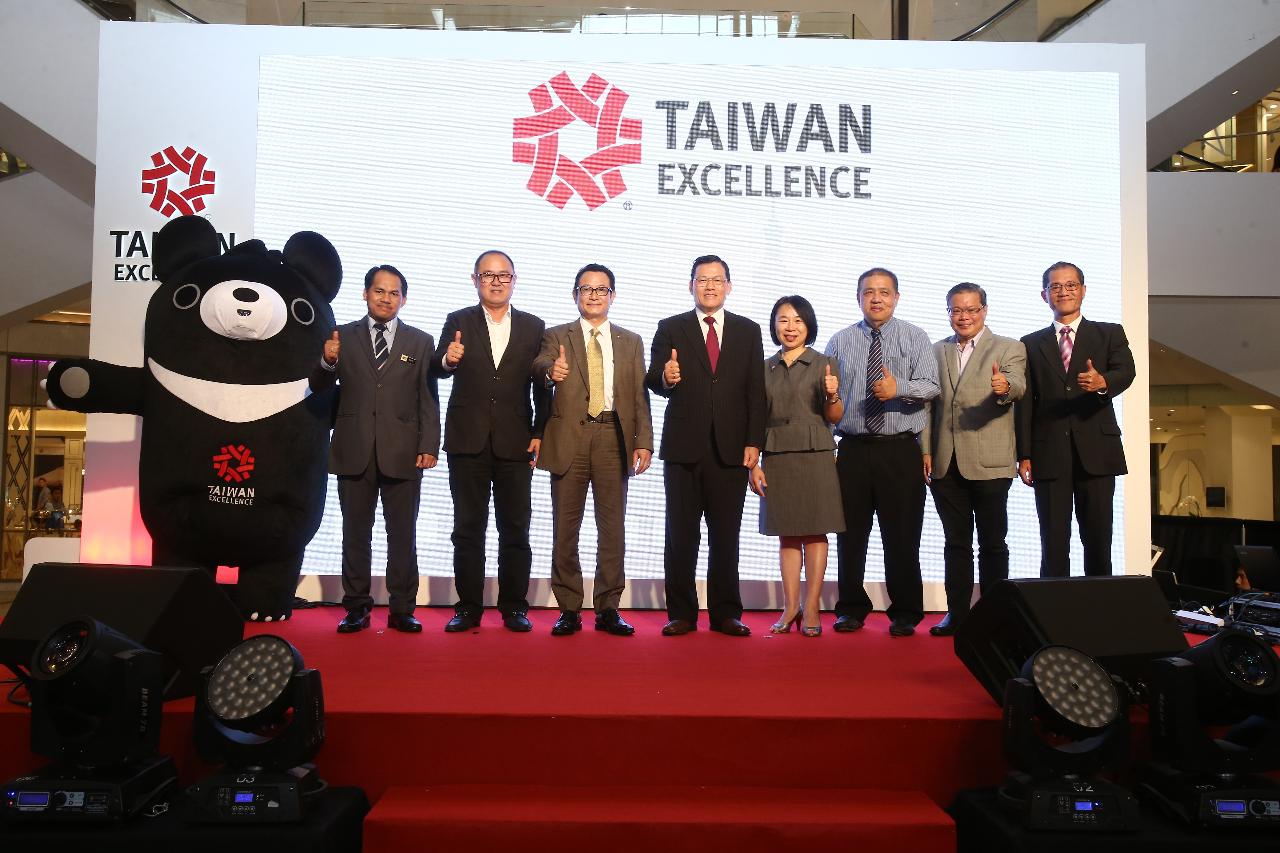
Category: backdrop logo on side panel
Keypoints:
(178, 182)
(557, 177)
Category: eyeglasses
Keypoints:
(966, 312)
(491, 277)
(593, 291)
(1059, 289)
(709, 282)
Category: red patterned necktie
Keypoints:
(1064, 347)
(713, 342)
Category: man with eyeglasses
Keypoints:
(599, 435)
(888, 374)
(969, 454)
(1069, 446)
(709, 364)
(493, 432)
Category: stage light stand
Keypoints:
(1065, 719)
(260, 713)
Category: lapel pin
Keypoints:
(408, 359)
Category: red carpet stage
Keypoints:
(702, 740)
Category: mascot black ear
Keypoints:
(314, 258)
(182, 242)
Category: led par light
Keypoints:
(1201, 773)
(260, 713)
(1065, 719)
(96, 699)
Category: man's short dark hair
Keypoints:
(708, 259)
(475, 268)
(577, 279)
(1061, 265)
(878, 271)
(967, 287)
(804, 309)
(368, 277)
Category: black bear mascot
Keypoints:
(234, 443)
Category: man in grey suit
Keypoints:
(969, 453)
(386, 433)
(600, 434)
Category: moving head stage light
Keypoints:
(95, 708)
(1083, 726)
(260, 713)
(1206, 777)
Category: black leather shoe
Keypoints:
(946, 628)
(517, 621)
(355, 620)
(405, 622)
(901, 628)
(609, 620)
(847, 624)
(570, 621)
(676, 627)
(462, 621)
(732, 627)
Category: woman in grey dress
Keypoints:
(800, 499)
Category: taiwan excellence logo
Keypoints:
(557, 177)
(178, 182)
(234, 463)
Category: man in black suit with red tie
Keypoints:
(493, 433)
(1069, 446)
(709, 364)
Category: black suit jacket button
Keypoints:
(1068, 387)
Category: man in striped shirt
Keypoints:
(888, 373)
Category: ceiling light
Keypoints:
(1235, 91)
(1262, 407)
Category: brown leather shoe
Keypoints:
(732, 627)
(676, 627)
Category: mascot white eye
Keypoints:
(186, 296)
(302, 311)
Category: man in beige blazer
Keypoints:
(599, 434)
(969, 453)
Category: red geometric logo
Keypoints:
(177, 183)
(536, 140)
(234, 463)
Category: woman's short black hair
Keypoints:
(804, 309)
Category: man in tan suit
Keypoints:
(599, 434)
(969, 453)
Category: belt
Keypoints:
(606, 417)
(868, 436)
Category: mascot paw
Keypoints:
(74, 382)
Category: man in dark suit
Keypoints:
(1068, 440)
(493, 433)
(386, 433)
(599, 434)
(709, 364)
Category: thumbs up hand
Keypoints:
(671, 371)
(830, 384)
(1091, 380)
(886, 387)
(999, 382)
(453, 354)
(560, 367)
(331, 349)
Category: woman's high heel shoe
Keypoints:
(783, 626)
(811, 630)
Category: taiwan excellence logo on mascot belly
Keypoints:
(558, 177)
(233, 464)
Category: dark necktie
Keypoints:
(380, 347)
(873, 411)
(713, 342)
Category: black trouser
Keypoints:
(1092, 497)
(471, 478)
(358, 496)
(881, 476)
(960, 503)
(693, 489)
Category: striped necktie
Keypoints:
(380, 348)
(1065, 347)
(873, 410)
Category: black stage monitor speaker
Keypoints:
(1121, 622)
(180, 613)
